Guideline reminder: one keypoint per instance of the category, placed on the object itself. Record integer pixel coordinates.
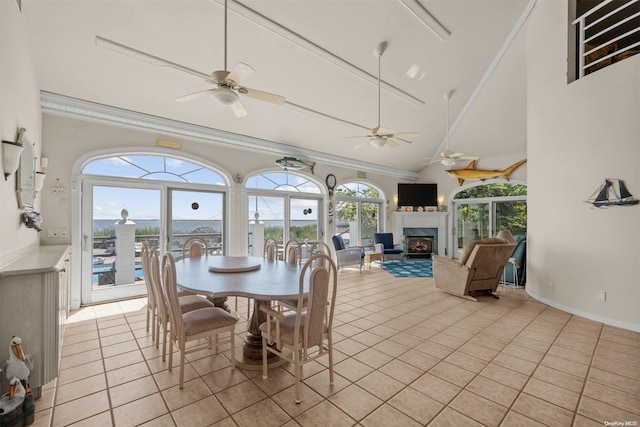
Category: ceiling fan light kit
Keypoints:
(225, 96)
(448, 158)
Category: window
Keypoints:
(131, 200)
(358, 212)
(284, 206)
(484, 209)
(153, 167)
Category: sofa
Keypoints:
(477, 272)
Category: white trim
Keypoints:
(75, 108)
(595, 317)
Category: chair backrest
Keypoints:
(293, 252)
(323, 286)
(270, 251)
(488, 258)
(145, 258)
(386, 239)
(338, 243)
(156, 283)
(319, 248)
(194, 247)
(171, 291)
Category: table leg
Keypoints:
(252, 348)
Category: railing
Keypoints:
(607, 36)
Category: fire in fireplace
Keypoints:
(419, 246)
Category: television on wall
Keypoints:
(417, 195)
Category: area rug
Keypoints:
(409, 268)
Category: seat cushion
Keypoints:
(393, 251)
(193, 302)
(205, 319)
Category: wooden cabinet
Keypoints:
(34, 305)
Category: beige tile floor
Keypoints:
(406, 355)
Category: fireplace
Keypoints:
(423, 224)
(419, 246)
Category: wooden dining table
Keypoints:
(251, 277)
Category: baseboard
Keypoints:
(596, 318)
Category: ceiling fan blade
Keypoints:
(148, 58)
(360, 144)
(240, 73)
(454, 155)
(468, 158)
(391, 143)
(238, 109)
(262, 96)
(194, 95)
(404, 134)
(361, 136)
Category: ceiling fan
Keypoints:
(379, 136)
(226, 83)
(448, 157)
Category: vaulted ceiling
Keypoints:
(318, 54)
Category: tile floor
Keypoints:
(406, 354)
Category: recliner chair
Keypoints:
(477, 272)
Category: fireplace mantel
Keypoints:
(422, 220)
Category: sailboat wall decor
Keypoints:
(612, 193)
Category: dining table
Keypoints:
(252, 277)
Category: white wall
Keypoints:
(19, 107)
(578, 134)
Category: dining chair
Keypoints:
(204, 323)
(194, 247)
(305, 334)
(270, 251)
(316, 249)
(187, 303)
(151, 297)
(293, 252)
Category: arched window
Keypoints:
(286, 205)
(131, 200)
(282, 181)
(358, 212)
(161, 168)
(482, 209)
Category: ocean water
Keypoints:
(184, 225)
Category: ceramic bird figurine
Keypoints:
(14, 398)
(19, 365)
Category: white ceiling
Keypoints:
(340, 83)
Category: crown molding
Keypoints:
(61, 105)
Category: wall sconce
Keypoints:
(39, 182)
(10, 157)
